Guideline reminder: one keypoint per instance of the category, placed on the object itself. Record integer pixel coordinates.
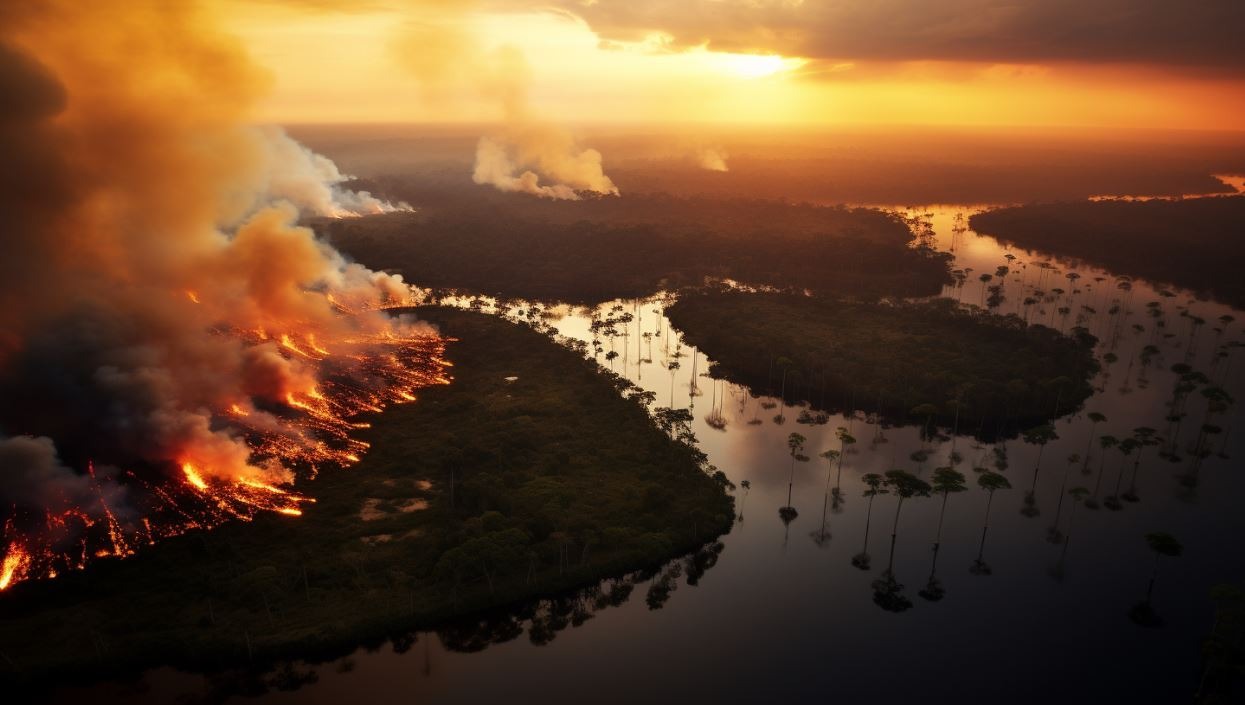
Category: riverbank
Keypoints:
(907, 362)
(527, 476)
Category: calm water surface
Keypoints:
(785, 614)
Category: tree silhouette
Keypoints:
(1145, 438)
(821, 537)
(1095, 418)
(990, 482)
(903, 485)
(747, 485)
(946, 482)
(1039, 436)
(795, 445)
(1107, 443)
(873, 487)
(1162, 544)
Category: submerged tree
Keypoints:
(1144, 437)
(1095, 418)
(821, 537)
(903, 485)
(1039, 436)
(1162, 544)
(946, 482)
(990, 482)
(747, 485)
(795, 446)
(874, 486)
(1106, 442)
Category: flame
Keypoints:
(192, 296)
(314, 429)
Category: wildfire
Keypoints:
(313, 429)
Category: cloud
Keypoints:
(1203, 35)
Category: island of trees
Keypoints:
(1194, 243)
(529, 475)
(598, 249)
(928, 363)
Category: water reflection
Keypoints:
(1150, 451)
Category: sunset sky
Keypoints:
(1127, 63)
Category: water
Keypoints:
(785, 614)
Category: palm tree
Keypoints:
(990, 482)
(821, 537)
(1145, 437)
(1095, 418)
(795, 445)
(672, 366)
(946, 481)
(845, 439)
(903, 485)
(873, 487)
(1162, 544)
(1040, 436)
(1107, 443)
(1126, 448)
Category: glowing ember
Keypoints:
(312, 430)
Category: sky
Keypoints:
(1097, 63)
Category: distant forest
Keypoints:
(601, 248)
(908, 362)
(1196, 243)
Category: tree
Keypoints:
(1095, 418)
(1039, 436)
(1107, 443)
(822, 536)
(1145, 437)
(874, 486)
(1162, 544)
(845, 439)
(990, 482)
(903, 485)
(795, 445)
(673, 365)
(946, 482)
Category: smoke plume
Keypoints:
(711, 159)
(528, 154)
(156, 289)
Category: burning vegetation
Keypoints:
(176, 351)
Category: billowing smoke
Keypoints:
(529, 154)
(711, 159)
(160, 309)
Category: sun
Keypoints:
(753, 65)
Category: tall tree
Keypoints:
(990, 482)
(874, 486)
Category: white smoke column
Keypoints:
(310, 181)
(712, 159)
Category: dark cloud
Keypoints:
(1203, 34)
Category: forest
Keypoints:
(528, 476)
(1194, 243)
(598, 249)
(926, 363)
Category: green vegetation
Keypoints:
(483, 493)
(1193, 243)
(603, 248)
(986, 374)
